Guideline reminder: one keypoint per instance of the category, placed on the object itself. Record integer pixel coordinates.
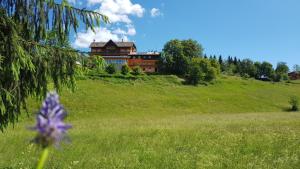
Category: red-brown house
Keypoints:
(294, 75)
(120, 53)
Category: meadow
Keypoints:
(156, 122)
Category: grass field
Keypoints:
(158, 123)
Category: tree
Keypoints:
(235, 61)
(215, 64)
(98, 63)
(229, 60)
(111, 69)
(266, 70)
(192, 48)
(125, 69)
(28, 59)
(201, 70)
(176, 62)
(247, 68)
(259, 71)
(222, 64)
(282, 68)
(281, 72)
(195, 75)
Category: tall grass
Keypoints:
(156, 122)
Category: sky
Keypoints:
(262, 30)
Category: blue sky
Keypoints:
(263, 30)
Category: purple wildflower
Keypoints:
(50, 126)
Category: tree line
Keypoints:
(185, 58)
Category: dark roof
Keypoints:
(119, 44)
(294, 73)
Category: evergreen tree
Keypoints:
(220, 60)
(229, 60)
(235, 61)
(215, 57)
(28, 58)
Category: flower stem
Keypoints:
(43, 158)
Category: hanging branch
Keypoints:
(29, 58)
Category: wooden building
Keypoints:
(294, 75)
(120, 53)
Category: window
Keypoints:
(116, 61)
(111, 48)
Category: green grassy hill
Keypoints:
(156, 122)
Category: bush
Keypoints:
(125, 69)
(111, 69)
(294, 101)
(137, 71)
(201, 70)
(280, 77)
(195, 75)
(96, 63)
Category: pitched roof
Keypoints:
(118, 44)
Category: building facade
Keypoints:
(121, 53)
(294, 75)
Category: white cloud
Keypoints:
(118, 10)
(155, 12)
(130, 31)
(119, 13)
(84, 39)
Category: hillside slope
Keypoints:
(159, 123)
(164, 95)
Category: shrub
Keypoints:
(137, 71)
(211, 74)
(294, 101)
(97, 63)
(195, 75)
(277, 77)
(111, 69)
(125, 69)
(201, 70)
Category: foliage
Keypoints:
(266, 70)
(282, 68)
(177, 55)
(195, 75)
(192, 48)
(125, 69)
(175, 60)
(137, 70)
(247, 67)
(281, 72)
(97, 63)
(33, 36)
(202, 70)
(294, 102)
(111, 69)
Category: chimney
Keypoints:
(94, 40)
(122, 40)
